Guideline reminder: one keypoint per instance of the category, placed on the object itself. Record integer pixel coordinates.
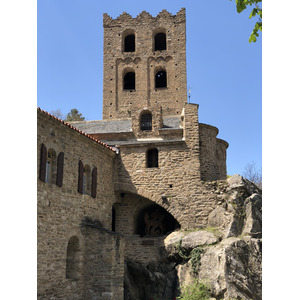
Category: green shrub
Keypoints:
(195, 291)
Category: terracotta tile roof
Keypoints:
(81, 132)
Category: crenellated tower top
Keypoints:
(144, 64)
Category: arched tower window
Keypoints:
(161, 79)
(73, 259)
(160, 42)
(146, 121)
(152, 158)
(129, 43)
(129, 81)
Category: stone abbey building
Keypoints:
(110, 191)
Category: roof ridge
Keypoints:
(79, 131)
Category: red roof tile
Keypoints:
(81, 132)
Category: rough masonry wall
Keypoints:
(208, 152)
(221, 158)
(118, 103)
(60, 210)
(177, 177)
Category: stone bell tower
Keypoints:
(144, 64)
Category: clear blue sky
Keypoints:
(223, 69)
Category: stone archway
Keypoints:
(154, 220)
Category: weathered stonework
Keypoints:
(141, 196)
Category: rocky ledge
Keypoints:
(226, 256)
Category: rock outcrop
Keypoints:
(226, 255)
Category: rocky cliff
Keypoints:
(226, 256)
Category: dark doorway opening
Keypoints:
(154, 220)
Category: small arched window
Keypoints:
(160, 41)
(152, 158)
(73, 258)
(129, 43)
(146, 121)
(50, 166)
(161, 79)
(129, 81)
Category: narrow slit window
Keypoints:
(152, 158)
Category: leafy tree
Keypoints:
(252, 174)
(57, 113)
(74, 115)
(241, 5)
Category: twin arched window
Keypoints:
(160, 42)
(51, 169)
(87, 180)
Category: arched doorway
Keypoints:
(154, 220)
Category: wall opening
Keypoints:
(146, 121)
(154, 220)
(161, 79)
(152, 158)
(86, 186)
(113, 219)
(50, 166)
(160, 41)
(72, 264)
(129, 43)
(129, 81)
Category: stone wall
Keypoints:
(61, 210)
(177, 176)
(212, 153)
(144, 62)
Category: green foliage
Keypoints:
(195, 291)
(195, 260)
(74, 115)
(181, 251)
(194, 256)
(241, 5)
